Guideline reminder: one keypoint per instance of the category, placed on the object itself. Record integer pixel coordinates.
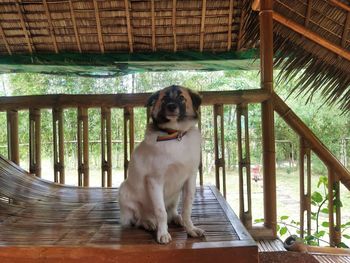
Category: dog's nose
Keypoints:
(171, 107)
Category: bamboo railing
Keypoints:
(82, 103)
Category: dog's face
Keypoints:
(173, 106)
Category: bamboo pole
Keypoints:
(123, 100)
(106, 147)
(200, 168)
(58, 145)
(219, 148)
(83, 147)
(305, 198)
(75, 27)
(268, 135)
(244, 166)
(128, 137)
(12, 136)
(34, 142)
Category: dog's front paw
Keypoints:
(163, 238)
(195, 232)
(177, 220)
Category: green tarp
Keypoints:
(112, 64)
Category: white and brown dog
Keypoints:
(164, 165)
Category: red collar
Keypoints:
(171, 135)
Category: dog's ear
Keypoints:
(196, 99)
(152, 99)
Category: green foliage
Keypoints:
(319, 201)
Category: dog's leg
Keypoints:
(188, 197)
(155, 191)
(173, 215)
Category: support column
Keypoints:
(267, 113)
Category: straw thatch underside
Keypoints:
(133, 26)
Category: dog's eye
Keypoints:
(181, 98)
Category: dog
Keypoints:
(164, 165)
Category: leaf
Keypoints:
(346, 236)
(309, 238)
(283, 231)
(284, 217)
(325, 210)
(320, 234)
(325, 224)
(342, 245)
(322, 180)
(259, 220)
(278, 228)
(338, 203)
(316, 197)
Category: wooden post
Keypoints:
(244, 166)
(34, 142)
(219, 148)
(106, 147)
(128, 132)
(305, 197)
(200, 168)
(83, 147)
(58, 145)
(267, 109)
(12, 136)
(334, 206)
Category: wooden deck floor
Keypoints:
(41, 220)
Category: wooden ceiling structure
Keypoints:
(75, 36)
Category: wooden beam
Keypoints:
(128, 25)
(52, 32)
(267, 115)
(74, 25)
(153, 27)
(308, 13)
(174, 25)
(23, 25)
(312, 36)
(229, 33)
(346, 30)
(98, 26)
(2, 33)
(340, 5)
(204, 9)
(123, 100)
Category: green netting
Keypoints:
(104, 65)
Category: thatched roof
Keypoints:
(74, 32)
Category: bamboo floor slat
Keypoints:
(34, 212)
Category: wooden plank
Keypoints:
(23, 25)
(128, 25)
(312, 36)
(51, 30)
(123, 100)
(201, 40)
(98, 27)
(77, 39)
